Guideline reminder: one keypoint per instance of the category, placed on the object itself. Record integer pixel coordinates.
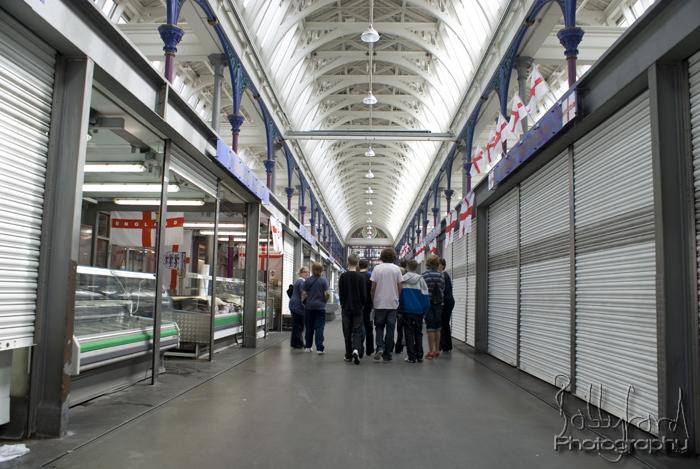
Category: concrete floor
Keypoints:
(283, 408)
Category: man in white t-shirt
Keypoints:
(386, 288)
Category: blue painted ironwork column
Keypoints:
(320, 221)
(449, 163)
(570, 37)
(522, 69)
(290, 176)
(436, 202)
(238, 85)
(302, 191)
(171, 36)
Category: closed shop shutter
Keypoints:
(185, 166)
(26, 94)
(694, 70)
(459, 286)
(471, 284)
(616, 323)
(288, 272)
(503, 278)
(545, 311)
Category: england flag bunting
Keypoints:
(491, 147)
(277, 236)
(433, 247)
(466, 214)
(515, 125)
(450, 225)
(479, 163)
(420, 253)
(138, 229)
(538, 89)
(501, 132)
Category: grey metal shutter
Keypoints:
(694, 70)
(288, 273)
(545, 311)
(27, 68)
(471, 284)
(459, 286)
(184, 165)
(503, 278)
(616, 332)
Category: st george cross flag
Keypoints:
(491, 153)
(420, 253)
(138, 229)
(466, 213)
(276, 234)
(450, 224)
(433, 247)
(479, 162)
(538, 89)
(501, 132)
(515, 126)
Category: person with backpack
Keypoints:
(448, 306)
(386, 286)
(315, 295)
(433, 318)
(413, 304)
(296, 307)
(352, 290)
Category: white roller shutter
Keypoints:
(287, 270)
(26, 94)
(545, 311)
(503, 278)
(185, 166)
(471, 284)
(459, 286)
(616, 323)
(694, 70)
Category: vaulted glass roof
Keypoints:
(421, 69)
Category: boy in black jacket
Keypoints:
(352, 290)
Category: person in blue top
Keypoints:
(414, 302)
(315, 294)
(296, 307)
(433, 318)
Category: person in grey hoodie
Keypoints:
(414, 302)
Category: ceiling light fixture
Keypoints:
(370, 174)
(370, 203)
(370, 35)
(156, 202)
(222, 233)
(369, 153)
(368, 212)
(102, 187)
(114, 168)
(369, 220)
(211, 225)
(369, 190)
(370, 99)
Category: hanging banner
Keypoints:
(466, 214)
(276, 234)
(450, 225)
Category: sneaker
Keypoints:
(356, 357)
(347, 359)
(377, 356)
(320, 352)
(409, 360)
(307, 350)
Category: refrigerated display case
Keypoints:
(114, 318)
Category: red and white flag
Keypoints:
(491, 152)
(138, 229)
(420, 253)
(501, 132)
(276, 234)
(450, 225)
(433, 247)
(515, 126)
(538, 89)
(479, 162)
(466, 214)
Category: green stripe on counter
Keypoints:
(124, 340)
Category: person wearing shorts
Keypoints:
(433, 319)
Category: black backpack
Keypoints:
(436, 296)
(290, 290)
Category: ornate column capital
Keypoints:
(570, 38)
(171, 36)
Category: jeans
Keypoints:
(413, 332)
(352, 332)
(315, 322)
(385, 318)
(446, 333)
(297, 340)
(399, 333)
(369, 332)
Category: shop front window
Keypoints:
(116, 279)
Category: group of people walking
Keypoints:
(388, 299)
